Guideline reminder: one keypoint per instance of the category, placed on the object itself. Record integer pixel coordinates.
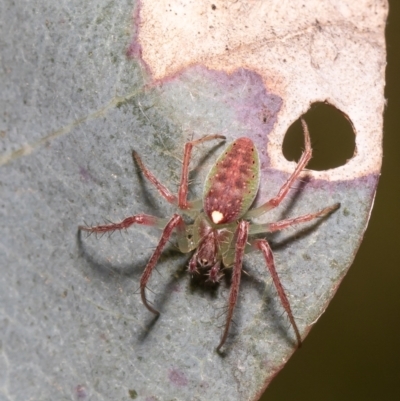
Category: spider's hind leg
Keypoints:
(162, 189)
(276, 200)
(183, 202)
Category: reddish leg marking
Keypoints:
(281, 225)
(192, 268)
(214, 274)
(275, 201)
(241, 239)
(264, 247)
(162, 189)
(144, 219)
(175, 222)
(183, 186)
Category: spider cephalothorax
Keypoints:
(222, 228)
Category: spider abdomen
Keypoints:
(232, 182)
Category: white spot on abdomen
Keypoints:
(216, 216)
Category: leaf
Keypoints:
(74, 106)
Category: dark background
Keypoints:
(353, 352)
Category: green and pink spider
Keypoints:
(222, 230)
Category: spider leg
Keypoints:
(263, 246)
(175, 222)
(144, 219)
(275, 201)
(214, 274)
(162, 189)
(192, 268)
(282, 224)
(241, 235)
(183, 186)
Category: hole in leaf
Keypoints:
(332, 138)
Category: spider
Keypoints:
(222, 229)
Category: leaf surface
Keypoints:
(74, 105)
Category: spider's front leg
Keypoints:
(175, 222)
(240, 241)
(263, 246)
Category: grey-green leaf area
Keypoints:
(72, 326)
